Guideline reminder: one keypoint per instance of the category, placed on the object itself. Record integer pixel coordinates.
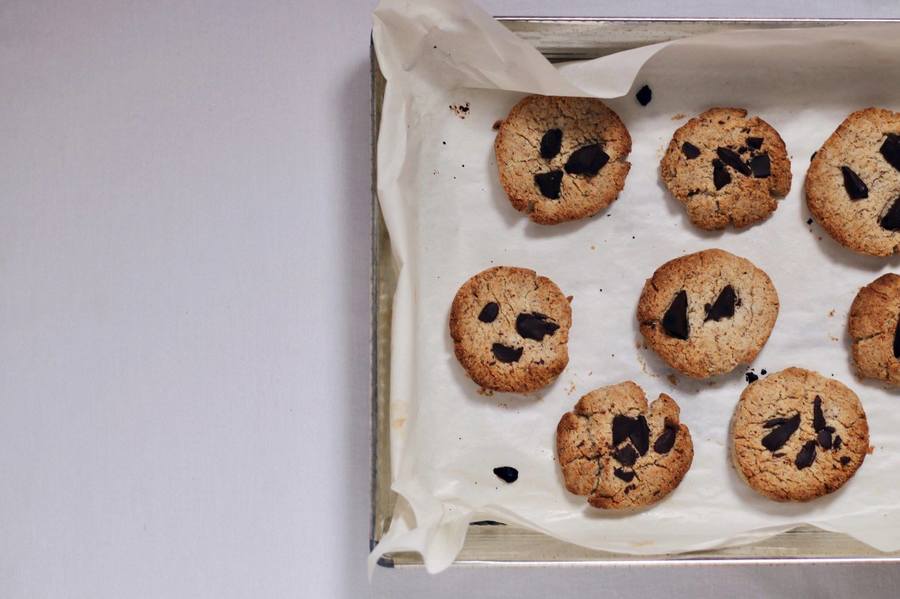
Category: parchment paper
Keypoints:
(449, 218)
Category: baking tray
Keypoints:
(489, 542)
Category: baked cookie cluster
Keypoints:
(795, 435)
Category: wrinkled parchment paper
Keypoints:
(449, 218)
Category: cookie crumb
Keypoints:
(673, 380)
(485, 392)
(593, 247)
(831, 314)
(678, 117)
(461, 110)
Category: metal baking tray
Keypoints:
(489, 542)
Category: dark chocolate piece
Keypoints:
(780, 434)
(644, 95)
(550, 143)
(535, 326)
(549, 183)
(855, 186)
(507, 474)
(506, 354)
(733, 159)
(689, 150)
(675, 322)
(723, 307)
(721, 177)
(587, 160)
(489, 312)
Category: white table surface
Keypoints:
(184, 254)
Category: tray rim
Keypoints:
(378, 230)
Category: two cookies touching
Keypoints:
(795, 435)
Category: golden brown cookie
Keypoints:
(875, 329)
(510, 329)
(797, 435)
(619, 453)
(561, 158)
(707, 312)
(727, 168)
(853, 183)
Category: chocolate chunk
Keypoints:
(675, 322)
(625, 455)
(781, 433)
(621, 427)
(772, 423)
(723, 307)
(721, 178)
(549, 183)
(897, 340)
(689, 150)
(489, 312)
(587, 160)
(644, 95)
(763, 371)
(761, 166)
(535, 326)
(743, 150)
(891, 220)
(666, 439)
(626, 475)
(806, 456)
(755, 142)
(812, 156)
(809, 221)
(855, 187)
(845, 460)
(507, 473)
(837, 442)
(818, 417)
(890, 149)
(640, 435)
(550, 143)
(733, 159)
(751, 377)
(506, 354)
(824, 439)
(830, 429)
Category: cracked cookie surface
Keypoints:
(619, 453)
(726, 168)
(510, 329)
(562, 158)
(874, 327)
(707, 312)
(797, 435)
(853, 183)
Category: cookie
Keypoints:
(620, 454)
(797, 435)
(705, 313)
(726, 168)
(560, 158)
(874, 326)
(853, 183)
(510, 329)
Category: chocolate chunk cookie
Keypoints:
(727, 168)
(875, 329)
(562, 158)
(619, 454)
(853, 183)
(705, 313)
(510, 329)
(797, 435)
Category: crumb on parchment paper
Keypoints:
(678, 117)
(461, 110)
(673, 379)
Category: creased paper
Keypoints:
(449, 219)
